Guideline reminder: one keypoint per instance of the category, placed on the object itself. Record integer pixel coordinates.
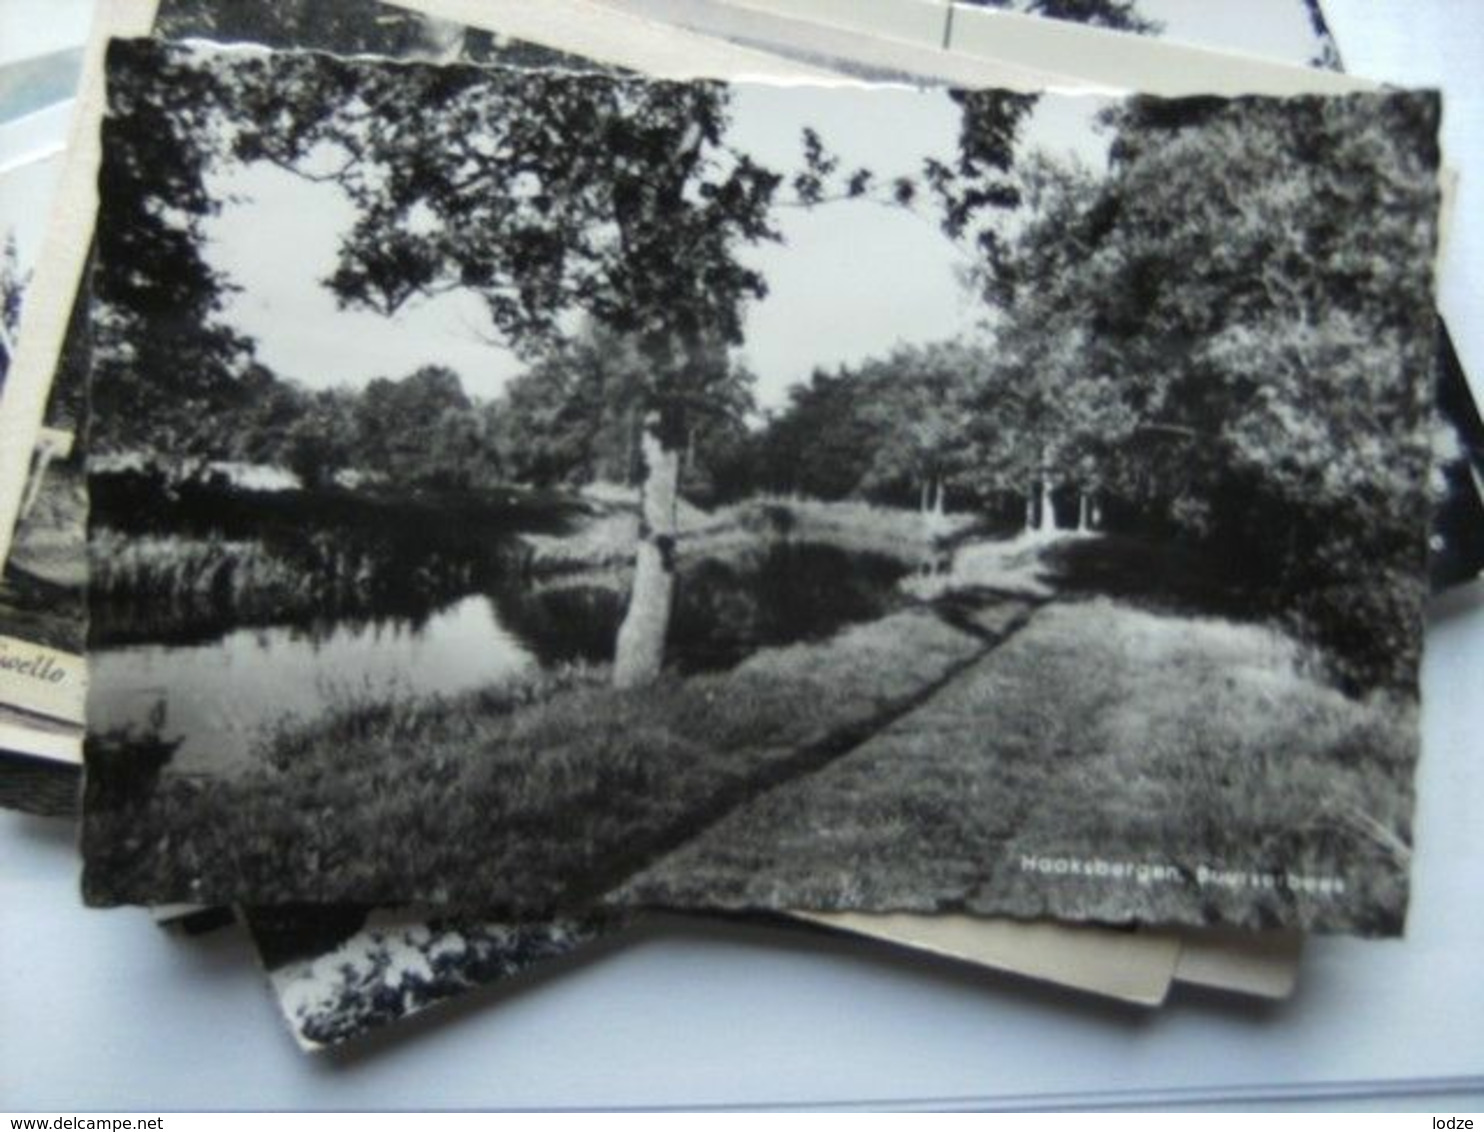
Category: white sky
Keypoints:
(852, 280)
(1275, 29)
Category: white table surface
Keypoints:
(100, 1010)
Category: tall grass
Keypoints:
(610, 540)
(880, 524)
(176, 569)
(166, 587)
(168, 560)
(517, 811)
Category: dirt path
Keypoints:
(992, 617)
(1094, 731)
(992, 624)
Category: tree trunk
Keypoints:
(636, 449)
(688, 460)
(1048, 509)
(1030, 507)
(50, 444)
(927, 513)
(1083, 518)
(640, 652)
(1097, 514)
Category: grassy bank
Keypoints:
(913, 762)
(610, 539)
(1100, 732)
(857, 525)
(502, 806)
(189, 562)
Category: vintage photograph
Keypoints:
(755, 496)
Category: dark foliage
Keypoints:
(230, 557)
(1118, 15)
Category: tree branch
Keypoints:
(289, 166)
(1173, 430)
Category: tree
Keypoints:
(315, 447)
(917, 401)
(1312, 229)
(1227, 332)
(416, 430)
(550, 198)
(164, 362)
(977, 190)
(169, 365)
(575, 416)
(272, 408)
(1264, 283)
(12, 288)
(1046, 414)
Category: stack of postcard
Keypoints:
(479, 475)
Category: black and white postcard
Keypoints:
(529, 491)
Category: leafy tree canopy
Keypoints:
(544, 194)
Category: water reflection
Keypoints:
(221, 695)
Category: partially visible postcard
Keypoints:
(41, 608)
(341, 973)
(1257, 46)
